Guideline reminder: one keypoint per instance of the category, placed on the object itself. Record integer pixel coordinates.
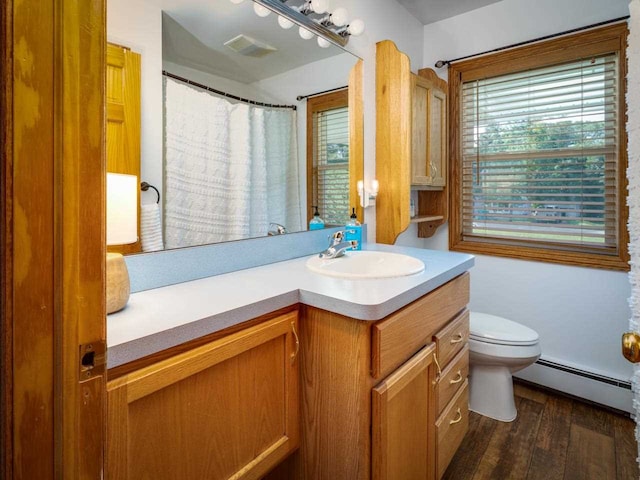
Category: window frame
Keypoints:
(567, 48)
(315, 104)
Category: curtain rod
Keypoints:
(228, 95)
(442, 63)
(302, 97)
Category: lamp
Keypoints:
(122, 228)
(368, 195)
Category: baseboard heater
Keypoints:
(582, 373)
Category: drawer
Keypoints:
(451, 339)
(452, 427)
(452, 378)
(396, 338)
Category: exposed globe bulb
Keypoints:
(236, 1)
(322, 43)
(356, 27)
(260, 10)
(319, 6)
(285, 23)
(304, 33)
(340, 17)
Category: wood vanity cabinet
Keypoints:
(227, 409)
(377, 400)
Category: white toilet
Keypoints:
(498, 347)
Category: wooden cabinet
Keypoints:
(429, 130)
(228, 409)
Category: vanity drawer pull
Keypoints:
(458, 339)
(458, 378)
(439, 372)
(458, 417)
(295, 334)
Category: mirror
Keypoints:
(261, 176)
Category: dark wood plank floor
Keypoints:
(553, 438)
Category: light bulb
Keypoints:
(260, 10)
(356, 27)
(304, 33)
(285, 23)
(339, 17)
(236, 1)
(319, 6)
(322, 43)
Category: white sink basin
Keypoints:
(366, 264)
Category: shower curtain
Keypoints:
(230, 168)
(633, 174)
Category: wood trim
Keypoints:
(316, 104)
(592, 42)
(6, 244)
(356, 137)
(393, 141)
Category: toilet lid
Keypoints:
(491, 329)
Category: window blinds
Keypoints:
(331, 164)
(540, 155)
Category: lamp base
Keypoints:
(118, 287)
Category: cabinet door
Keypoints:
(403, 411)
(228, 409)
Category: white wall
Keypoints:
(138, 25)
(579, 313)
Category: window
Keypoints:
(539, 164)
(328, 156)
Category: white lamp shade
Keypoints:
(122, 209)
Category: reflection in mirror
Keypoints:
(226, 169)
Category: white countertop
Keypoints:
(157, 319)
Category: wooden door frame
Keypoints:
(52, 238)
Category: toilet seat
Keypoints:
(500, 331)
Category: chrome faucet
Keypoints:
(338, 245)
(276, 229)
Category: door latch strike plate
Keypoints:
(92, 360)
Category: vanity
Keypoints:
(281, 372)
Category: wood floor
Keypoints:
(553, 438)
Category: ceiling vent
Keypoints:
(249, 47)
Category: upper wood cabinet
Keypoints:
(228, 409)
(429, 130)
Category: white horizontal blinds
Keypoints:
(540, 154)
(331, 164)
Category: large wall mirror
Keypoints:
(223, 168)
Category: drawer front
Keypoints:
(452, 378)
(451, 339)
(396, 338)
(452, 427)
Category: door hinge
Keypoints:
(92, 360)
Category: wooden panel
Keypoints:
(356, 137)
(626, 447)
(452, 338)
(591, 455)
(123, 121)
(402, 334)
(336, 408)
(452, 427)
(237, 397)
(403, 410)
(452, 378)
(420, 141)
(393, 141)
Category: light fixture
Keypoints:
(284, 22)
(368, 195)
(339, 17)
(237, 2)
(323, 43)
(304, 33)
(260, 10)
(122, 228)
(356, 27)
(319, 6)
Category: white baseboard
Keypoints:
(585, 385)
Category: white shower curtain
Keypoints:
(230, 169)
(633, 174)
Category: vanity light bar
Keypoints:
(279, 7)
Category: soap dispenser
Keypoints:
(353, 230)
(316, 222)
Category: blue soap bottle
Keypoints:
(316, 223)
(353, 230)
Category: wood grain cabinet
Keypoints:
(370, 391)
(228, 409)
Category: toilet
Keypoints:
(497, 348)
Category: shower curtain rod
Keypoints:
(442, 63)
(224, 94)
(302, 97)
